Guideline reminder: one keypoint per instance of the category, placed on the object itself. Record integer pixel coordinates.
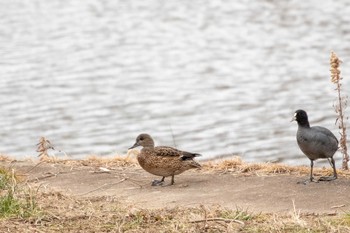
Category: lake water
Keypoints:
(216, 77)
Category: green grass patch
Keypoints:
(238, 214)
(15, 199)
(8, 205)
(5, 179)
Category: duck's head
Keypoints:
(144, 140)
(300, 116)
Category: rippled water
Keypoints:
(215, 77)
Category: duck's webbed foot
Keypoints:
(327, 178)
(158, 182)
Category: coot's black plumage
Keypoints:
(316, 143)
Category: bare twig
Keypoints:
(134, 181)
(338, 206)
(48, 175)
(102, 186)
(218, 219)
(101, 170)
(32, 168)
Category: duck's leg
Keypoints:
(171, 183)
(329, 178)
(158, 182)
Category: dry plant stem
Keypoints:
(217, 219)
(342, 102)
(101, 187)
(43, 146)
(32, 168)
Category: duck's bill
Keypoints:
(135, 145)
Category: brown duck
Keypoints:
(163, 160)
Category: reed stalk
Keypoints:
(43, 146)
(340, 107)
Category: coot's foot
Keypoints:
(327, 178)
(308, 181)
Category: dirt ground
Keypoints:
(131, 184)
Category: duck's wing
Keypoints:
(173, 152)
(167, 151)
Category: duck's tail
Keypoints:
(189, 157)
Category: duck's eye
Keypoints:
(141, 138)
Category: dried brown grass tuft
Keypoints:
(5, 158)
(98, 161)
(227, 164)
(121, 161)
(43, 146)
(237, 166)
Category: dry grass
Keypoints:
(237, 166)
(97, 161)
(60, 213)
(233, 166)
(5, 158)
